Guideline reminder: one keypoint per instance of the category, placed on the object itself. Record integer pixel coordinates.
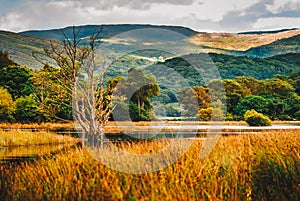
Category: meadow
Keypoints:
(262, 166)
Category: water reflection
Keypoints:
(18, 154)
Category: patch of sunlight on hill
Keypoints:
(239, 42)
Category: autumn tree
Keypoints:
(234, 92)
(6, 105)
(51, 96)
(195, 98)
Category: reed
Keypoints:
(262, 166)
(26, 138)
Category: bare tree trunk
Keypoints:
(90, 112)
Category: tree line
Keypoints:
(278, 97)
(43, 95)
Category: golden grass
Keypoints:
(25, 138)
(45, 126)
(261, 166)
(242, 42)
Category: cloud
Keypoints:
(12, 21)
(278, 22)
(282, 5)
(131, 4)
(244, 19)
(212, 15)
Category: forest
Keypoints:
(266, 85)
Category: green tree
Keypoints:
(275, 88)
(249, 82)
(172, 112)
(234, 92)
(258, 103)
(293, 105)
(138, 88)
(6, 106)
(27, 110)
(188, 99)
(16, 79)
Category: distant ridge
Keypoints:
(259, 44)
(107, 30)
(267, 32)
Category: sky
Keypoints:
(200, 15)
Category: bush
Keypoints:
(254, 118)
(211, 114)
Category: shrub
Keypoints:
(254, 118)
(208, 114)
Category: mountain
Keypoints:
(267, 32)
(107, 31)
(20, 48)
(146, 44)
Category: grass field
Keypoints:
(27, 138)
(264, 166)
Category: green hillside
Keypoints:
(195, 66)
(20, 48)
(157, 46)
(284, 46)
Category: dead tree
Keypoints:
(82, 74)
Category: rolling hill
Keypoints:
(241, 41)
(155, 44)
(20, 48)
(196, 67)
(108, 31)
(283, 46)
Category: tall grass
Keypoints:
(25, 138)
(262, 166)
(45, 126)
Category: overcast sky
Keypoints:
(200, 15)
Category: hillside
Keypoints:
(20, 48)
(107, 30)
(153, 44)
(195, 66)
(283, 46)
(241, 42)
(293, 58)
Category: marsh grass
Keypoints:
(261, 166)
(26, 138)
(43, 126)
